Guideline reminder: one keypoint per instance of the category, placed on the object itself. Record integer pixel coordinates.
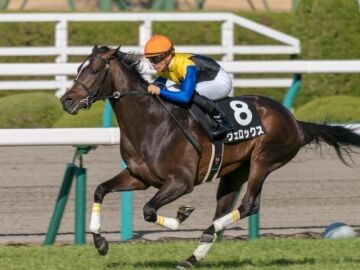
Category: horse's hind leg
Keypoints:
(121, 182)
(260, 166)
(227, 194)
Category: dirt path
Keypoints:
(309, 193)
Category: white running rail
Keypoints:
(59, 136)
(72, 136)
(234, 67)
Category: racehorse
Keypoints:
(158, 154)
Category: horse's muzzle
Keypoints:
(69, 105)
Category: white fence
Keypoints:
(71, 136)
(227, 48)
(59, 136)
(241, 67)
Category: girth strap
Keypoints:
(217, 153)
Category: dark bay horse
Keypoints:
(158, 154)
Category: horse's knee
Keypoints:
(149, 213)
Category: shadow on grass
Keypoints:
(227, 264)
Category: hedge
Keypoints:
(334, 109)
(85, 118)
(29, 110)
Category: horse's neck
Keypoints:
(136, 107)
(138, 113)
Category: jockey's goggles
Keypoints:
(159, 58)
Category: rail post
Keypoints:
(254, 227)
(80, 196)
(80, 199)
(60, 204)
(80, 206)
(290, 96)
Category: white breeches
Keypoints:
(218, 88)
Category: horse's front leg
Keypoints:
(172, 189)
(121, 182)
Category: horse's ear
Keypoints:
(95, 48)
(112, 53)
(115, 51)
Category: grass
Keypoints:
(260, 254)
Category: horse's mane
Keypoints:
(130, 60)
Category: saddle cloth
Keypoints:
(242, 114)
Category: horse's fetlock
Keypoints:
(184, 212)
(210, 230)
(244, 211)
(208, 235)
(207, 238)
(150, 214)
(99, 194)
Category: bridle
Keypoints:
(92, 97)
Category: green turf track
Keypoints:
(259, 254)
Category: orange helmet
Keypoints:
(157, 45)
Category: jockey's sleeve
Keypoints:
(160, 81)
(187, 91)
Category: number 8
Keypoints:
(243, 109)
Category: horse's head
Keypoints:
(92, 81)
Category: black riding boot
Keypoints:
(223, 125)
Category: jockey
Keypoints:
(189, 73)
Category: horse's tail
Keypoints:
(339, 137)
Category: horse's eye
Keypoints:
(94, 71)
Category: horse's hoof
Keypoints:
(104, 247)
(189, 263)
(101, 244)
(184, 265)
(184, 212)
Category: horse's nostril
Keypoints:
(67, 102)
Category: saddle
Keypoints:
(242, 114)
